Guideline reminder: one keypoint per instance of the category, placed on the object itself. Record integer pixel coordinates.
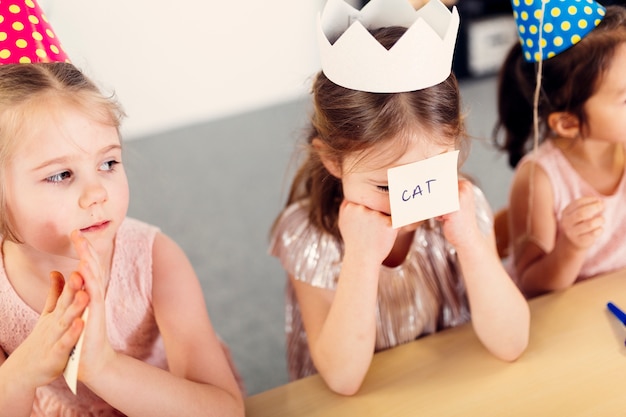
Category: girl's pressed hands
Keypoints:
(96, 349)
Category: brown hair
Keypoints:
(568, 80)
(349, 121)
(28, 89)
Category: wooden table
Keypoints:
(574, 366)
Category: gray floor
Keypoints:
(216, 187)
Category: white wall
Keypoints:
(173, 63)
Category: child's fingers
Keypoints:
(69, 338)
(584, 208)
(89, 266)
(56, 289)
(67, 314)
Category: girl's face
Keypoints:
(364, 178)
(67, 174)
(606, 108)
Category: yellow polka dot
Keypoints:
(601, 12)
(54, 49)
(30, 4)
(537, 14)
(44, 17)
(40, 53)
(522, 29)
(528, 2)
(555, 12)
(543, 43)
(575, 39)
(572, 10)
(582, 24)
(527, 55)
(558, 41)
(25, 60)
(14, 8)
(37, 36)
(1, 18)
(533, 29)
(50, 33)
(516, 2)
(566, 25)
(537, 56)
(17, 26)
(515, 15)
(548, 28)
(33, 19)
(597, 22)
(21, 43)
(3, 36)
(524, 16)
(529, 43)
(5, 53)
(587, 10)
(551, 54)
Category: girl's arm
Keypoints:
(42, 357)
(341, 324)
(199, 382)
(546, 258)
(500, 314)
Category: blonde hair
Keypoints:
(28, 89)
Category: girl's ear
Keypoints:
(564, 124)
(331, 164)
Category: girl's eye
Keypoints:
(61, 176)
(383, 188)
(108, 165)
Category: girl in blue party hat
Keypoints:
(561, 102)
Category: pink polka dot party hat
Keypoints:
(26, 35)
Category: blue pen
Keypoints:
(621, 316)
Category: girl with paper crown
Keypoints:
(146, 346)
(356, 284)
(566, 203)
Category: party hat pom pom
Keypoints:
(565, 23)
(26, 35)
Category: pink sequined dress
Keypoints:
(130, 322)
(421, 296)
(608, 253)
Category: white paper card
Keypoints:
(71, 369)
(424, 189)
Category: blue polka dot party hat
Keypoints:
(549, 27)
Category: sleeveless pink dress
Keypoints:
(608, 253)
(130, 322)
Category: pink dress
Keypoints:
(608, 253)
(130, 322)
(422, 295)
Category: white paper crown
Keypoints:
(421, 58)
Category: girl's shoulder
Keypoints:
(304, 251)
(547, 156)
